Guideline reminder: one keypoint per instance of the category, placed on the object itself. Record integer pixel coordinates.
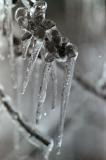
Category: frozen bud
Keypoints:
(62, 47)
(61, 51)
(50, 46)
(31, 25)
(56, 37)
(48, 24)
(55, 33)
(39, 19)
(39, 33)
(20, 12)
(40, 5)
(70, 50)
(23, 22)
(26, 36)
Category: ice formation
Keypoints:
(41, 39)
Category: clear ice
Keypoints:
(65, 98)
(31, 64)
(54, 83)
(43, 89)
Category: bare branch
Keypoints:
(90, 87)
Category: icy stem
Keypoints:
(31, 64)
(54, 81)
(65, 98)
(43, 89)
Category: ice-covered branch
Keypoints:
(33, 135)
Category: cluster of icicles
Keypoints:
(41, 38)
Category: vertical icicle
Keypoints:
(28, 43)
(54, 82)
(31, 64)
(43, 89)
(34, 91)
(65, 98)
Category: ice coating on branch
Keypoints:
(31, 64)
(70, 63)
(43, 89)
(54, 84)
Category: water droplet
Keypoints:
(45, 114)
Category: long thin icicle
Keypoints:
(43, 89)
(28, 43)
(54, 81)
(65, 98)
(31, 64)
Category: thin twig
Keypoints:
(90, 87)
(16, 117)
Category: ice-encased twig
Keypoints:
(43, 89)
(33, 136)
(31, 64)
(54, 84)
(65, 97)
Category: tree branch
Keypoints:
(35, 134)
(90, 87)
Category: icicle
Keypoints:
(28, 43)
(26, 3)
(31, 64)
(43, 89)
(54, 81)
(65, 98)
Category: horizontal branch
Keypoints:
(90, 87)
